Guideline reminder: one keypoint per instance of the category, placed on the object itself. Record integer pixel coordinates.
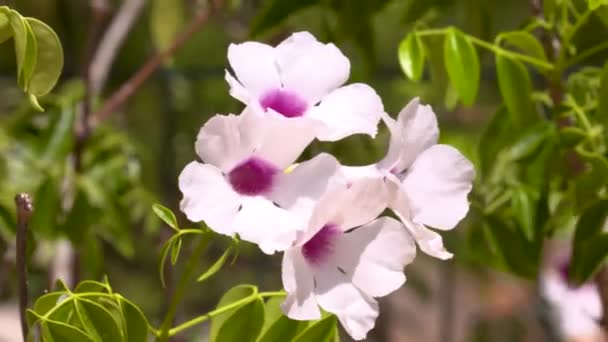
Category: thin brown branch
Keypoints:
(119, 97)
(111, 42)
(25, 207)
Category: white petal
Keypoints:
(254, 65)
(336, 294)
(272, 228)
(208, 197)
(437, 185)
(362, 202)
(375, 255)
(353, 109)
(237, 90)
(311, 68)
(300, 189)
(429, 241)
(298, 282)
(225, 140)
(284, 139)
(414, 131)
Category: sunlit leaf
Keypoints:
(6, 32)
(594, 4)
(25, 48)
(411, 56)
(244, 325)
(525, 42)
(97, 321)
(516, 90)
(57, 331)
(324, 330)
(462, 65)
(233, 295)
(166, 215)
(136, 325)
(175, 249)
(49, 59)
(216, 266)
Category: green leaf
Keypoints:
(60, 332)
(516, 90)
(530, 141)
(244, 325)
(167, 20)
(591, 222)
(175, 249)
(48, 205)
(525, 42)
(166, 215)
(588, 259)
(571, 136)
(217, 265)
(497, 135)
(411, 56)
(61, 139)
(462, 65)
(274, 12)
(524, 208)
(135, 323)
(91, 286)
(234, 294)
(97, 321)
(25, 48)
(602, 97)
(278, 327)
(6, 32)
(594, 4)
(49, 59)
(324, 330)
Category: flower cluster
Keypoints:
(338, 255)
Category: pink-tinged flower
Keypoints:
(300, 79)
(232, 190)
(346, 257)
(577, 309)
(429, 182)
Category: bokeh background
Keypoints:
(133, 159)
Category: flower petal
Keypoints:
(300, 189)
(298, 282)
(283, 139)
(254, 65)
(414, 131)
(336, 294)
(377, 250)
(237, 90)
(225, 140)
(437, 185)
(311, 68)
(208, 197)
(353, 109)
(272, 228)
(429, 241)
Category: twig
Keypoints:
(111, 42)
(24, 205)
(129, 87)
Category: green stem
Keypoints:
(200, 319)
(492, 47)
(587, 53)
(181, 288)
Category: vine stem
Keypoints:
(181, 287)
(492, 47)
(25, 207)
(200, 319)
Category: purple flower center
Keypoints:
(321, 245)
(284, 102)
(252, 177)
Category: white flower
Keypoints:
(346, 257)
(429, 181)
(578, 309)
(301, 78)
(243, 161)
